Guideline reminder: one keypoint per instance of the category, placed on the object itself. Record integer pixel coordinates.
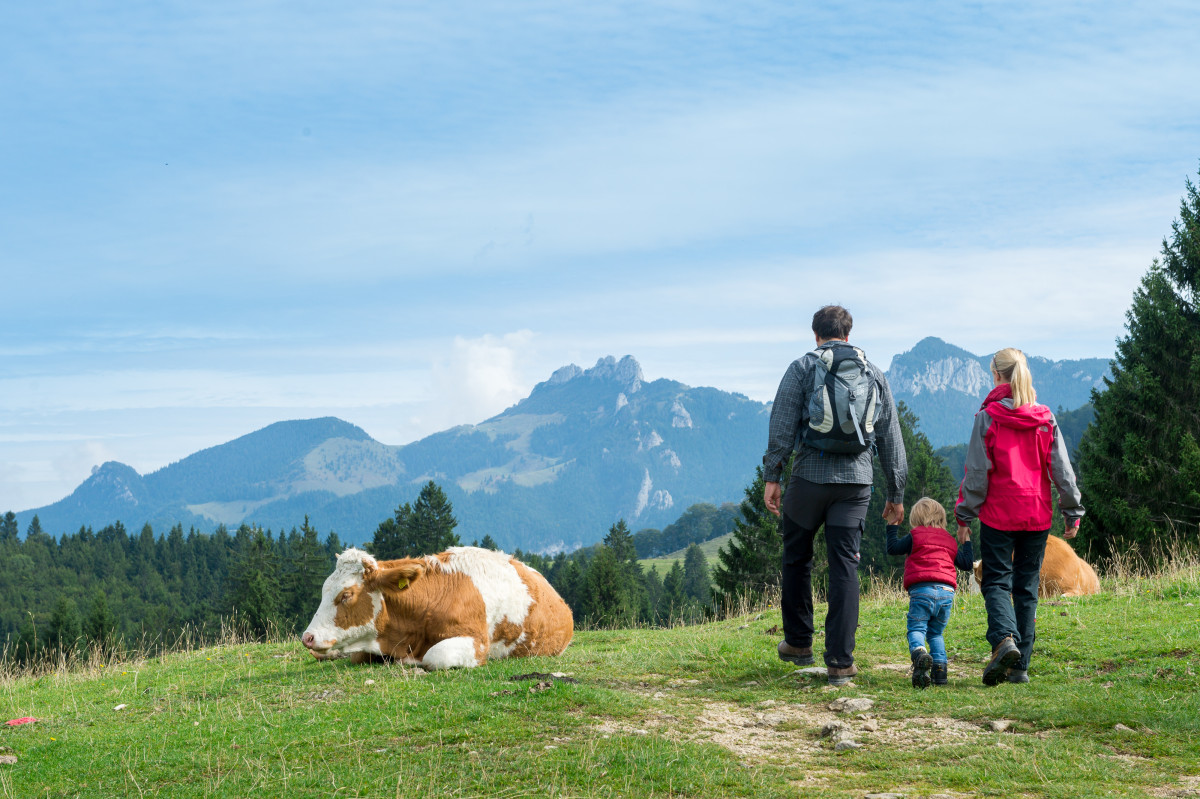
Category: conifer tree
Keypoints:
(307, 569)
(419, 528)
(254, 581)
(9, 530)
(1140, 459)
(749, 565)
(64, 634)
(696, 583)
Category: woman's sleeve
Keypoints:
(1063, 475)
(973, 490)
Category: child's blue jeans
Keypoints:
(929, 606)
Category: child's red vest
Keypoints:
(932, 558)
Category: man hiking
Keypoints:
(835, 410)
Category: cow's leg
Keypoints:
(452, 653)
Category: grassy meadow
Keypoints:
(709, 548)
(705, 711)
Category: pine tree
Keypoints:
(100, 626)
(619, 541)
(604, 600)
(64, 635)
(254, 581)
(1140, 459)
(419, 528)
(307, 568)
(696, 583)
(9, 530)
(749, 565)
(489, 543)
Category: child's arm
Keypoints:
(897, 544)
(965, 559)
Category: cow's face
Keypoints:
(345, 621)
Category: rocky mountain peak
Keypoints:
(627, 372)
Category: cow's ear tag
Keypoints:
(402, 584)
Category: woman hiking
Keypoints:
(1015, 451)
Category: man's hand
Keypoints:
(964, 533)
(1072, 531)
(771, 495)
(894, 512)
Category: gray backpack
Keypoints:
(844, 405)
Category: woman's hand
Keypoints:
(964, 533)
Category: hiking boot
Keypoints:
(800, 655)
(840, 675)
(1018, 675)
(1004, 657)
(922, 663)
(939, 674)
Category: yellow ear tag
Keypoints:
(402, 584)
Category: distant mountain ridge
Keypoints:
(944, 384)
(554, 471)
(585, 448)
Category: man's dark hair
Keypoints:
(832, 321)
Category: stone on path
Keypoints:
(847, 704)
(846, 744)
(1000, 725)
(814, 671)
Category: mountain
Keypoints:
(554, 471)
(944, 385)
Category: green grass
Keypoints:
(709, 548)
(703, 711)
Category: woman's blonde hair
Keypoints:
(1010, 364)
(928, 513)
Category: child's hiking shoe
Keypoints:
(1004, 657)
(939, 674)
(1018, 675)
(922, 663)
(840, 675)
(800, 655)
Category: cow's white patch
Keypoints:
(347, 572)
(505, 595)
(452, 653)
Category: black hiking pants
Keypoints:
(1012, 567)
(842, 508)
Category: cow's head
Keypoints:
(352, 603)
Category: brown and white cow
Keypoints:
(1063, 572)
(460, 607)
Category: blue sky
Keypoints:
(214, 216)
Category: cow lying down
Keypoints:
(458, 608)
(1063, 572)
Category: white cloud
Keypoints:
(481, 376)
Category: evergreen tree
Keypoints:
(64, 634)
(1140, 459)
(254, 581)
(9, 530)
(749, 565)
(696, 583)
(307, 568)
(605, 600)
(420, 528)
(619, 541)
(674, 598)
(100, 626)
(489, 543)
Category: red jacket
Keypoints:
(932, 558)
(1012, 456)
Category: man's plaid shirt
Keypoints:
(789, 415)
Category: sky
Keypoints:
(219, 215)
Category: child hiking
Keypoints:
(930, 577)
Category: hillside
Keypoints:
(708, 711)
(587, 447)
